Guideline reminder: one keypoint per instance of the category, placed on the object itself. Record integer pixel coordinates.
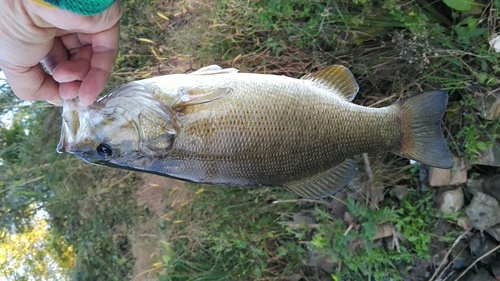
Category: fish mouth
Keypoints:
(74, 117)
(63, 144)
(70, 124)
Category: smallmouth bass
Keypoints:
(222, 127)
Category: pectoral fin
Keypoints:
(325, 183)
(200, 95)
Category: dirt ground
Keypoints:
(163, 196)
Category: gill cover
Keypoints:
(127, 124)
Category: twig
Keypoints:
(440, 278)
(459, 238)
(453, 141)
(348, 229)
(448, 276)
(395, 240)
(301, 200)
(31, 180)
(339, 200)
(477, 260)
(324, 202)
(368, 167)
(369, 188)
(294, 225)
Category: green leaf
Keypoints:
(282, 251)
(319, 242)
(462, 5)
(257, 271)
(482, 145)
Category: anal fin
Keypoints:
(326, 183)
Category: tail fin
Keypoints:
(423, 139)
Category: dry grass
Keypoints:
(164, 197)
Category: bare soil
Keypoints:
(163, 196)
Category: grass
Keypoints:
(230, 235)
(394, 48)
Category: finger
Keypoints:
(71, 42)
(69, 90)
(32, 83)
(72, 70)
(104, 47)
(105, 51)
(70, 73)
(56, 55)
(76, 68)
(93, 84)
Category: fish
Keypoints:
(222, 127)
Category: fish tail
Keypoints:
(423, 140)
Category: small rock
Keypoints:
(349, 218)
(439, 258)
(488, 105)
(494, 231)
(295, 277)
(495, 269)
(483, 211)
(338, 209)
(481, 275)
(490, 156)
(451, 201)
(401, 192)
(487, 184)
(464, 222)
(302, 219)
(383, 231)
(318, 259)
(481, 244)
(495, 42)
(444, 177)
(461, 256)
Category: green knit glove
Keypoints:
(82, 7)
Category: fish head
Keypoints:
(128, 128)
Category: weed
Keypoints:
(230, 234)
(414, 222)
(476, 135)
(352, 250)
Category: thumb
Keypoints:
(32, 83)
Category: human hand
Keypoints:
(78, 51)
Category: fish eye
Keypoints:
(104, 151)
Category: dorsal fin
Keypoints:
(338, 78)
(326, 183)
(213, 69)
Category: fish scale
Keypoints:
(249, 131)
(221, 127)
